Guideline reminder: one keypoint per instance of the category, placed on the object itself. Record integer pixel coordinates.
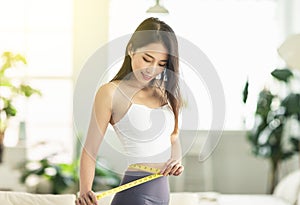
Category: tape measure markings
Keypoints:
(128, 185)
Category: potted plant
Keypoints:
(10, 89)
(59, 178)
(276, 131)
(63, 178)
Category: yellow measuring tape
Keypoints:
(128, 185)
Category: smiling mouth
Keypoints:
(146, 77)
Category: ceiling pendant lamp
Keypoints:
(157, 8)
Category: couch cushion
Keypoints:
(183, 198)
(22, 198)
(288, 188)
(106, 200)
(232, 199)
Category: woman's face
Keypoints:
(148, 62)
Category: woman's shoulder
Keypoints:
(106, 91)
(108, 87)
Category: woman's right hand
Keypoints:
(89, 198)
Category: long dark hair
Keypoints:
(153, 30)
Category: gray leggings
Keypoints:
(154, 192)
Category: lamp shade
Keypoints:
(290, 51)
(157, 8)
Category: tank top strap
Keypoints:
(123, 93)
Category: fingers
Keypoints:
(88, 198)
(92, 197)
(173, 167)
(179, 171)
(165, 171)
(80, 201)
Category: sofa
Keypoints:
(177, 198)
(287, 192)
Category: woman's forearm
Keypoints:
(176, 152)
(87, 172)
(173, 166)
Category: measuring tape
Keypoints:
(128, 185)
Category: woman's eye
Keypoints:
(146, 60)
(149, 61)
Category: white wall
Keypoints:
(232, 168)
(90, 29)
(90, 33)
(289, 14)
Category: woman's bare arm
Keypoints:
(173, 165)
(100, 118)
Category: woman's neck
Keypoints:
(133, 82)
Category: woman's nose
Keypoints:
(150, 70)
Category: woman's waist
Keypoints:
(147, 167)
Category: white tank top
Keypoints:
(145, 133)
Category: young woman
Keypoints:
(142, 103)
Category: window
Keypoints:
(42, 31)
(239, 37)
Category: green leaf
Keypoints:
(264, 136)
(66, 168)
(264, 151)
(10, 60)
(28, 91)
(245, 92)
(292, 104)
(5, 82)
(60, 183)
(10, 110)
(5, 66)
(282, 74)
(264, 103)
(20, 58)
(295, 143)
(287, 155)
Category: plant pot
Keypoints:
(44, 186)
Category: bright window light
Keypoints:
(42, 31)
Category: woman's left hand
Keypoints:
(172, 167)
